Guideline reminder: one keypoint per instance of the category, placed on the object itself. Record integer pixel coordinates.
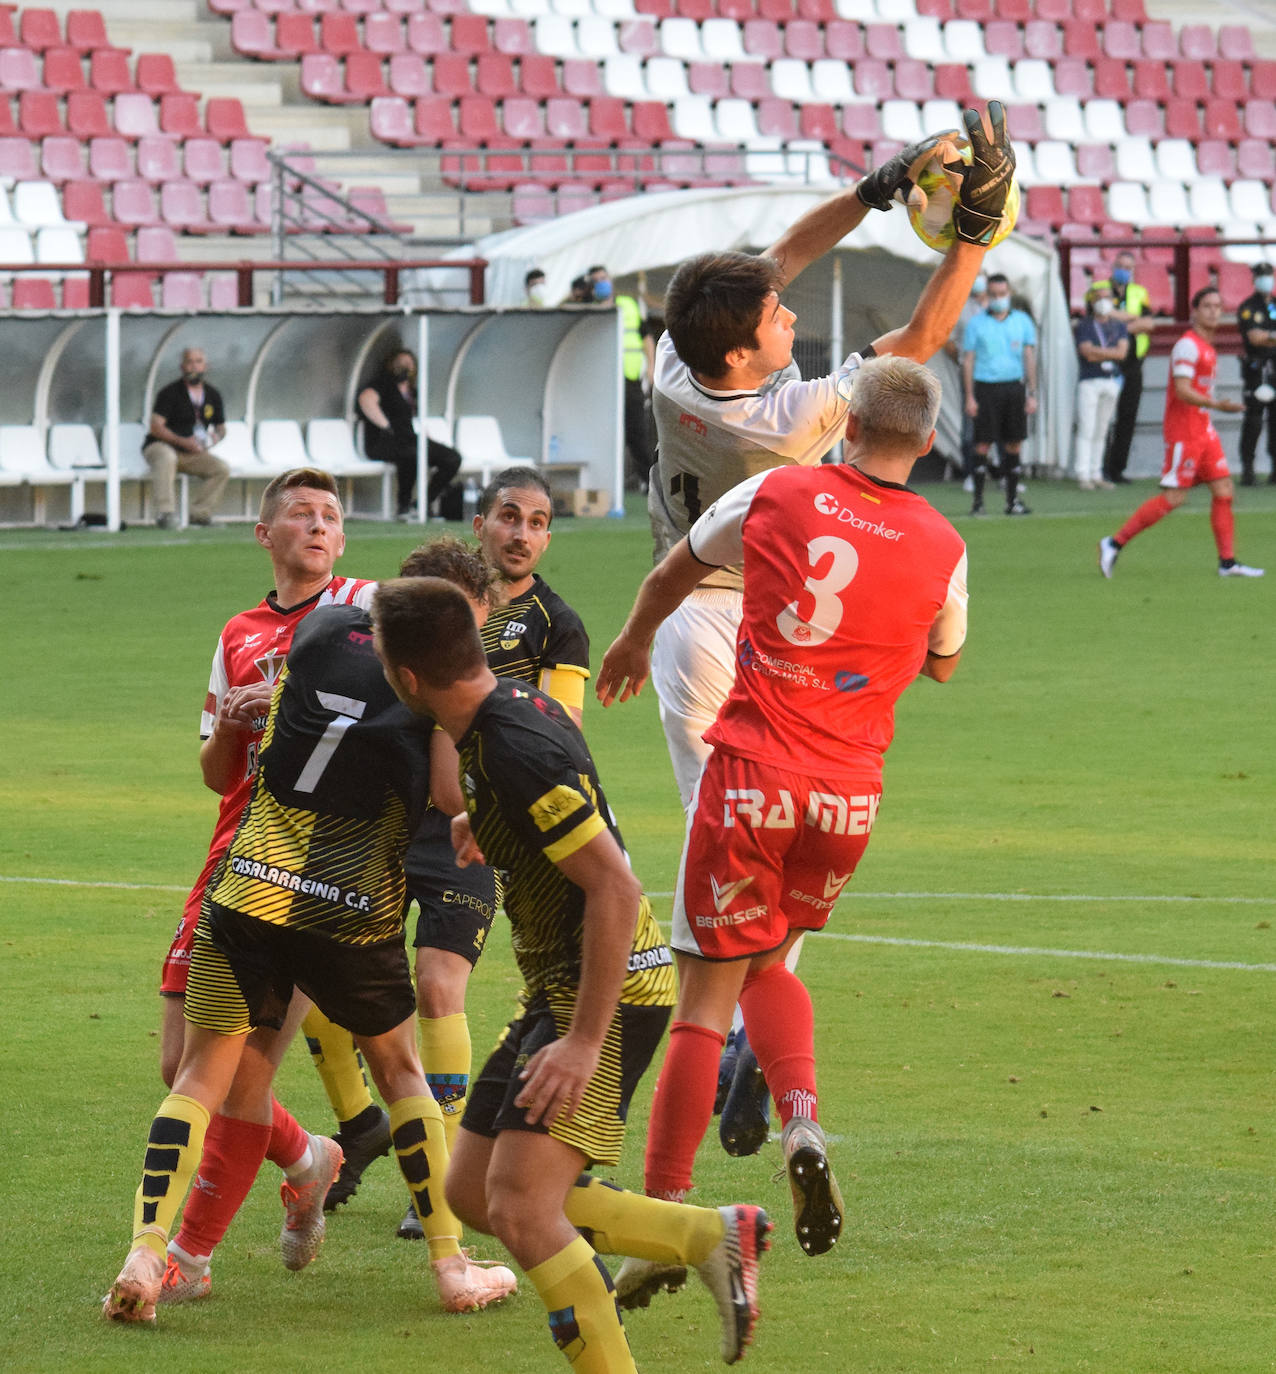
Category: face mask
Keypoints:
(602, 290)
(192, 378)
(536, 294)
(980, 285)
(1103, 306)
(999, 304)
(401, 374)
(1121, 276)
(1264, 284)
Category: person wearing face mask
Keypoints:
(1102, 343)
(387, 406)
(187, 421)
(1257, 321)
(999, 373)
(634, 366)
(1130, 306)
(534, 289)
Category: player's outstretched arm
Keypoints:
(626, 665)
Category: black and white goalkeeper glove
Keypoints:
(895, 178)
(985, 179)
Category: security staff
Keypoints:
(1256, 320)
(1131, 308)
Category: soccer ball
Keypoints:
(930, 205)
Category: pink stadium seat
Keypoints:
(323, 77)
(862, 122)
(1255, 159)
(224, 119)
(63, 70)
(1054, 10)
(952, 82)
(1189, 80)
(252, 34)
(82, 201)
(494, 76)
(1262, 80)
(1073, 76)
(370, 200)
(17, 159)
(639, 38)
(39, 29)
(750, 81)
(522, 118)
(1222, 119)
(159, 158)
(1045, 203)
(763, 39)
(566, 119)
(426, 35)
(883, 41)
(777, 119)
(409, 76)
(1227, 81)
(1085, 204)
(469, 34)
(538, 76)
(1215, 157)
(109, 71)
(106, 243)
(1182, 119)
(179, 115)
(61, 158)
(203, 160)
(818, 122)
(1159, 41)
(843, 41)
(383, 33)
(874, 79)
(1196, 42)
(155, 74)
(133, 202)
(583, 78)
(248, 161)
(712, 79)
(86, 114)
(132, 291)
(364, 7)
(1121, 40)
(513, 36)
(182, 291)
(1155, 277)
(1095, 161)
(1024, 122)
(1145, 119)
(1132, 10)
(223, 291)
(39, 114)
(134, 115)
(1041, 39)
(531, 203)
(451, 75)
(1151, 80)
(1003, 38)
(182, 206)
(913, 80)
(850, 151)
(33, 293)
(1235, 43)
(1111, 79)
(75, 292)
(339, 34)
(110, 159)
(651, 121)
(803, 40)
(19, 70)
(230, 207)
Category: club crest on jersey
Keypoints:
(511, 634)
(269, 666)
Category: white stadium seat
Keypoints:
(1135, 161)
(924, 40)
(667, 80)
(791, 80)
(990, 80)
(1175, 160)
(901, 120)
(831, 82)
(596, 37)
(964, 42)
(735, 121)
(1128, 203)
(722, 40)
(1056, 163)
(1104, 121)
(692, 119)
(1064, 120)
(623, 77)
(680, 38)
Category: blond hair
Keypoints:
(895, 401)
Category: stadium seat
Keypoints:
(109, 72)
(830, 82)
(952, 82)
(1260, 119)
(1135, 161)
(86, 115)
(1248, 200)
(1085, 204)
(1168, 204)
(513, 37)
(133, 202)
(1145, 119)
(339, 34)
(36, 204)
(752, 80)
(182, 206)
(1215, 157)
(107, 243)
(1104, 121)
(776, 118)
(1034, 80)
(990, 80)
(134, 116)
(1065, 121)
(712, 79)
(19, 70)
(426, 35)
(202, 161)
(963, 41)
(763, 39)
(802, 39)
(666, 79)
(1176, 160)
(223, 291)
(1045, 203)
(1073, 76)
(538, 76)
(83, 202)
(1222, 119)
(1003, 38)
(155, 243)
(1122, 40)
(1158, 40)
(252, 34)
(231, 208)
(409, 77)
(1151, 80)
(1055, 163)
(1111, 79)
(1255, 158)
(155, 74)
(1227, 81)
(383, 33)
(873, 79)
(1182, 119)
(1197, 43)
(651, 121)
(39, 114)
(554, 34)
(914, 80)
(680, 38)
(17, 159)
(158, 158)
(182, 291)
(224, 119)
(61, 159)
(1189, 80)
(1041, 38)
(63, 71)
(843, 42)
(582, 77)
(86, 30)
(791, 80)
(819, 122)
(1127, 200)
(1024, 123)
(39, 29)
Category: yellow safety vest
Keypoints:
(631, 319)
(1136, 303)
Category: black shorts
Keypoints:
(457, 905)
(243, 973)
(1002, 418)
(597, 1128)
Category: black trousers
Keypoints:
(444, 463)
(1124, 418)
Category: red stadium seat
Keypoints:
(477, 121)
(63, 70)
(566, 119)
(1134, 11)
(39, 114)
(469, 34)
(1235, 282)
(1196, 42)
(739, 10)
(33, 293)
(109, 71)
(1072, 76)
(409, 76)
(1045, 203)
(390, 121)
(1222, 119)
(8, 33)
(252, 34)
(365, 79)
(19, 70)
(1055, 10)
(179, 115)
(1003, 38)
(1085, 204)
(699, 10)
(39, 29)
(582, 77)
(159, 158)
(203, 160)
(383, 33)
(323, 78)
(182, 205)
(1227, 81)
(849, 151)
(133, 202)
(1190, 81)
(82, 201)
(935, 9)
(1262, 80)
(224, 119)
(819, 122)
(1111, 79)
(651, 121)
(110, 159)
(862, 121)
(1158, 40)
(763, 39)
(777, 119)
(223, 291)
(952, 82)
(132, 291)
(712, 79)
(1146, 119)
(86, 114)
(434, 119)
(843, 41)
(513, 37)
(1182, 119)
(1082, 40)
(426, 35)
(1041, 39)
(86, 30)
(494, 76)
(978, 10)
(451, 75)
(607, 120)
(61, 158)
(155, 243)
(1151, 80)
(1090, 11)
(155, 74)
(913, 80)
(339, 34)
(1017, 11)
(639, 38)
(538, 76)
(106, 243)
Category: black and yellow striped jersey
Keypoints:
(342, 779)
(535, 636)
(533, 796)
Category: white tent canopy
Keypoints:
(882, 267)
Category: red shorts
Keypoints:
(178, 960)
(1190, 463)
(767, 852)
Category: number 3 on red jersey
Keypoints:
(825, 590)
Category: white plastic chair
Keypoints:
(73, 446)
(722, 40)
(1128, 203)
(1064, 120)
(680, 38)
(791, 80)
(924, 40)
(964, 42)
(482, 445)
(1135, 161)
(692, 118)
(831, 81)
(901, 120)
(280, 445)
(23, 463)
(330, 445)
(1176, 161)
(36, 204)
(1104, 121)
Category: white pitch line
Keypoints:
(75, 882)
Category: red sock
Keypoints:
(781, 1028)
(1154, 509)
(233, 1151)
(681, 1108)
(1223, 525)
(287, 1140)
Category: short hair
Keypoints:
(1260, 267)
(426, 624)
(598, 267)
(1199, 296)
(1095, 289)
(315, 478)
(396, 352)
(534, 275)
(714, 305)
(999, 277)
(1125, 253)
(895, 400)
(454, 561)
(522, 476)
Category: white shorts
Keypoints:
(692, 670)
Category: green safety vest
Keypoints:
(1136, 303)
(631, 319)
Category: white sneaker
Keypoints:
(730, 1273)
(1108, 551)
(1240, 570)
(303, 1228)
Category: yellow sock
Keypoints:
(583, 1317)
(416, 1128)
(173, 1150)
(619, 1222)
(340, 1067)
(445, 1057)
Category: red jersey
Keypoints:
(848, 582)
(1196, 360)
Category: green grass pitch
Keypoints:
(1045, 1007)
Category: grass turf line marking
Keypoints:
(76, 882)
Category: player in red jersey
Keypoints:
(853, 585)
(1193, 450)
(300, 526)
